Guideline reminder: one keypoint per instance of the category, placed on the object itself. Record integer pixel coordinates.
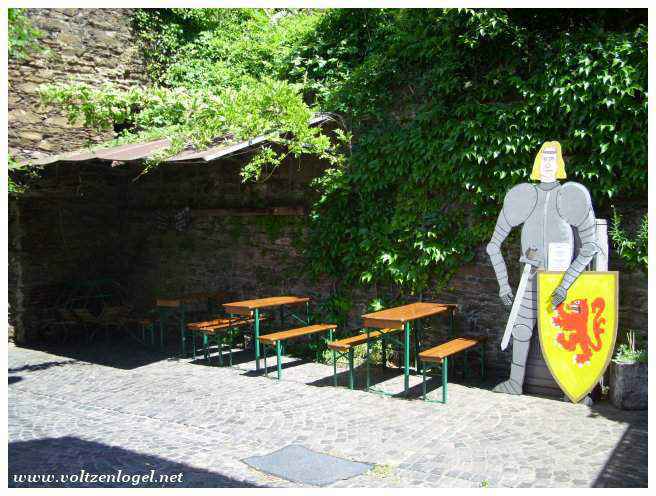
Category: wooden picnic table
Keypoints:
(177, 304)
(176, 301)
(253, 307)
(403, 316)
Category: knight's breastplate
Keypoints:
(545, 226)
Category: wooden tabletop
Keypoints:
(175, 301)
(397, 316)
(247, 306)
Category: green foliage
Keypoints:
(13, 187)
(631, 351)
(632, 251)
(449, 108)
(22, 37)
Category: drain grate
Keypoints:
(299, 464)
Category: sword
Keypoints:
(530, 262)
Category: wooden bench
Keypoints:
(345, 347)
(276, 339)
(440, 355)
(214, 331)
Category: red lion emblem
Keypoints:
(575, 322)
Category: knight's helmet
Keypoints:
(549, 147)
(600, 260)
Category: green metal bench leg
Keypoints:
(445, 373)
(279, 356)
(193, 343)
(384, 353)
(351, 381)
(334, 369)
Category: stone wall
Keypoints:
(112, 225)
(93, 46)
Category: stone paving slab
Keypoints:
(119, 407)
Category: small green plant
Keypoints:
(384, 471)
(485, 483)
(632, 251)
(631, 352)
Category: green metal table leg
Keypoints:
(183, 340)
(206, 347)
(330, 337)
(266, 368)
(445, 373)
(406, 361)
(384, 352)
(423, 383)
(367, 360)
(451, 335)
(193, 342)
(256, 319)
(416, 348)
(351, 381)
(451, 329)
(219, 344)
(163, 319)
(419, 336)
(334, 369)
(279, 356)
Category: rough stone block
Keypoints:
(628, 385)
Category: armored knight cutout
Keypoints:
(548, 211)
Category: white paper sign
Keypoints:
(560, 256)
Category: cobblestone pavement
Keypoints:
(120, 407)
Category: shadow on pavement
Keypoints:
(73, 457)
(627, 464)
(122, 353)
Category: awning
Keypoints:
(134, 152)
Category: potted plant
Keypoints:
(628, 375)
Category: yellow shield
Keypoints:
(578, 337)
